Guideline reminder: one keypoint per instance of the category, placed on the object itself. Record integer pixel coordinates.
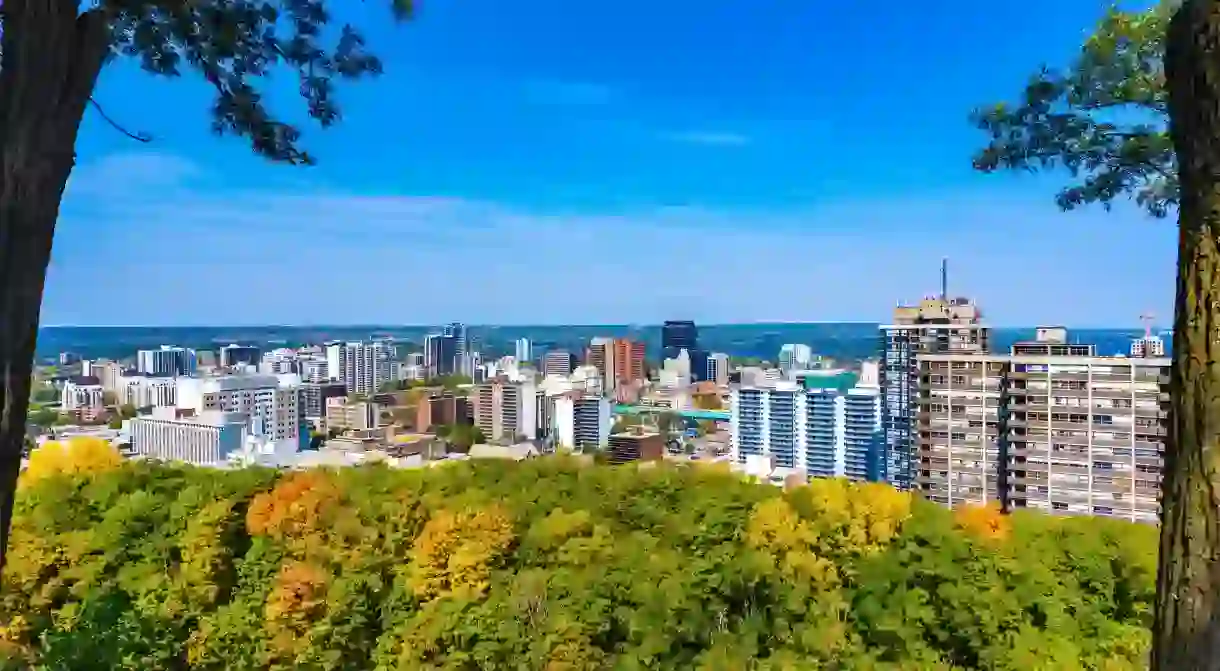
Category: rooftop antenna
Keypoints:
(1147, 318)
(944, 279)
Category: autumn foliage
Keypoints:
(553, 564)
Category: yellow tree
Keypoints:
(51, 53)
(1138, 115)
(77, 455)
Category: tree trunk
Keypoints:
(50, 61)
(1186, 633)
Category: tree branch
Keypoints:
(138, 137)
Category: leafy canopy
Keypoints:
(236, 45)
(1104, 118)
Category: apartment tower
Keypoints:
(937, 325)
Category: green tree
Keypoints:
(51, 52)
(127, 411)
(669, 422)
(44, 417)
(1134, 117)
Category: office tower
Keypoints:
(601, 356)
(558, 362)
(795, 357)
(315, 370)
(676, 335)
(234, 355)
(457, 330)
(935, 325)
(628, 360)
(315, 394)
(468, 364)
(524, 350)
(505, 410)
(1078, 434)
(718, 368)
(366, 366)
(829, 429)
(166, 361)
(581, 421)
(271, 404)
(440, 354)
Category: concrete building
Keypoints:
(601, 357)
(81, 393)
(171, 435)
(346, 415)
(935, 325)
(270, 403)
(315, 394)
(441, 408)
(505, 410)
(558, 362)
(628, 361)
(315, 370)
(141, 391)
(440, 354)
(1077, 435)
(366, 366)
(166, 361)
(643, 446)
(581, 421)
(335, 361)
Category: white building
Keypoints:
(524, 350)
(581, 421)
(78, 395)
(279, 361)
(207, 439)
(270, 403)
(366, 366)
(505, 410)
(141, 391)
(315, 370)
(795, 357)
(335, 360)
(824, 431)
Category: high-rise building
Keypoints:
(676, 335)
(581, 421)
(171, 435)
(315, 394)
(166, 361)
(457, 330)
(601, 356)
(366, 366)
(827, 429)
(558, 362)
(234, 355)
(335, 361)
(1044, 427)
(628, 360)
(934, 326)
(524, 350)
(718, 368)
(440, 354)
(505, 410)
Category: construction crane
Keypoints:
(1147, 318)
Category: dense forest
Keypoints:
(552, 564)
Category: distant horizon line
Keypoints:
(374, 326)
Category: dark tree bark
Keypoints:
(1186, 633)
(50, 61)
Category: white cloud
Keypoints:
(331, 256)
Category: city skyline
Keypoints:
(724, 185)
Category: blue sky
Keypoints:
(541, 161)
